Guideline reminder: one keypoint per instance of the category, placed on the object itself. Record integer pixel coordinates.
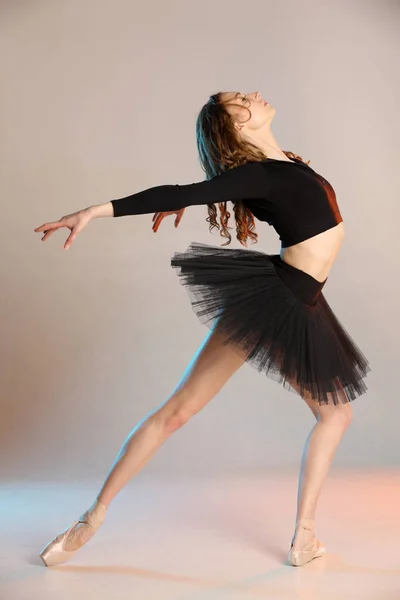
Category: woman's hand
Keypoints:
(158, 217)
(75, 222)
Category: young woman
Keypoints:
(268, 310)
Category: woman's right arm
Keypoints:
(246, 181)
(101, 210)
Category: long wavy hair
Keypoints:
(220, 149)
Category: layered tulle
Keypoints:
(278, 315)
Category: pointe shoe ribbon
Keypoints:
(55, 553)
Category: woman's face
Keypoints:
(261, 111)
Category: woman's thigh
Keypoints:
(208, 371)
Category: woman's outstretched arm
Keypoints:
(249, 181)
(246, 181)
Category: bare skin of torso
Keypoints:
(316, 255)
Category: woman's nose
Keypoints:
(257, 95)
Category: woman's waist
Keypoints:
(316, 255)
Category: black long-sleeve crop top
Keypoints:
(298, 202)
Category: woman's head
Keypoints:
(250, 113)
(231, 129)
(226, 129)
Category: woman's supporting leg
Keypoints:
(319, 450)
(213, 364)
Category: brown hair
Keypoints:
(220, 149)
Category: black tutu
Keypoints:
(278, 315)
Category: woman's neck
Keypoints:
(265, 140)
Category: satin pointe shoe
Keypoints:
(67, 543)
(312, 549)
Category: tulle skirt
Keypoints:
(278, 315)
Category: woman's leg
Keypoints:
(213, 364)
(321, 444)
(209, 370)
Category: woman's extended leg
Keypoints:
(209, 370)
(319, 450)
(211, 367)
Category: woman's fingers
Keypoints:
(178, 218)
(81, 224)
(70, 239)
(47, 234)
(159, 216)
(74, 222)
(156, 222)
(47, 226)
(48, 229)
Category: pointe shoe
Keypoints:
(54, 553)
(313, 549)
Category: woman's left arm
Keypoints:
(159, 216)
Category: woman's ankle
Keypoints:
(100, 499)
(305, 520)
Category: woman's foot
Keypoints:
(64, 545)
(305, 546)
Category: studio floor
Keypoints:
(205, 537)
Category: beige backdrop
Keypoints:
(99, 100)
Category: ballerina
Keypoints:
(265, 309)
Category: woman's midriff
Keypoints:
(316, 255)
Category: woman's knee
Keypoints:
(180, 408)
(214, 363)
(339, 415)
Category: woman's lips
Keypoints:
(265, 103)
